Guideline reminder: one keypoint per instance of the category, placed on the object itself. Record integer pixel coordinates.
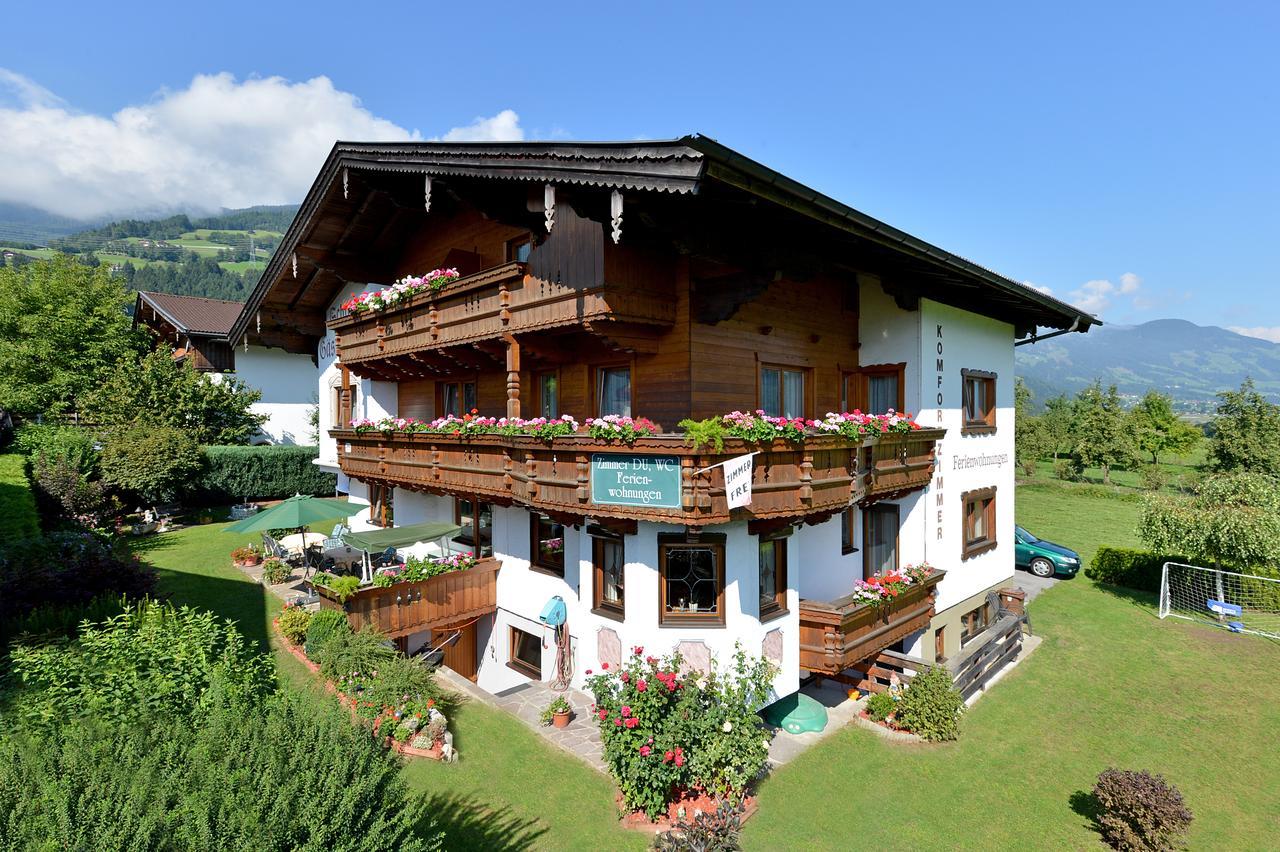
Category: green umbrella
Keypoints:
(298, 512)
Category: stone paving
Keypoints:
(581, 738)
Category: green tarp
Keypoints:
(375, 541)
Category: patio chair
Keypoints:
(385, 558)
(339, 530)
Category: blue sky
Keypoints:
(1121, 155)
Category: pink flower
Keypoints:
(626, 677)
(641, 685)
(666, 758)
(588, 671)
(604, 714)
(604, 666)
(644, 751)
(638, 650)
(617, 723)
(626, 710)
(632, 722)
(679, 757)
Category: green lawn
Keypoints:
(1110, 685)
(510, 790)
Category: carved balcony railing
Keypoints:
(404, 608)
(486, 306)
(836, 635)
(823, 475)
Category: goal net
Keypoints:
(1241, 603)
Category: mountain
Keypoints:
(1189, 362)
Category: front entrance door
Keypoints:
(461, 655)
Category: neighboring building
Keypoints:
(668, 280)
(198, 329)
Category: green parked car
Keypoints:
(1044, 558)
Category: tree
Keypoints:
(1156, 429)
(152, 462)
(157, 389)
(1031, 439)
(1246, 432)
(1233, 521)
(1102, 437)
(1057, 421)
(63, 327)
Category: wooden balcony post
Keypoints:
(513, 376)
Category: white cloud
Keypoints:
(1048, 291)
(217, 143)
(1099, 294)
(1261, 332)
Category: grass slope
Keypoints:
(510, 790)
(18, 519)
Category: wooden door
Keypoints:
(461, 655)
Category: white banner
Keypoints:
(737, 480)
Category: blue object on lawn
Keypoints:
(1224, 608)
(554, 613)
(1236, 626)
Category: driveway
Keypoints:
(1032, 584)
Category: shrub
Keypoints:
(248, 553)
(49, 442)
(154, 463)
(399, 680)
(232, 474)
(149, 659)
(65, 493)
(294, 621)
(247, 778)
(716, 831)
(663, 731)
(347, 653)
(931, 707)
(1140, 811)
(1120, 566)
(342, 587)
(275, 571)
(1069, 470)
(18, 519)
(880, 706)
(1153, 478)
(325, 624)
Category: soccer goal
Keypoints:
(1241, 603)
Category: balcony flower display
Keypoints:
(759, 427)
(855, 424)
(616, 427)
(471, 424)
(400, 291)
(881, 589)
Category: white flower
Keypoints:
(728, 726)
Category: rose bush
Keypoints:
(665, 731)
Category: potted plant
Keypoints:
(245, 557)
(557, 713)
(275, 571)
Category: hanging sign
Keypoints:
(737, 480)
(622, 480)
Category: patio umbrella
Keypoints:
(296, 513)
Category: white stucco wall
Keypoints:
(287, 383)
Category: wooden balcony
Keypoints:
(824, 475)
(837, 635)
(404, 608)
(504, 300)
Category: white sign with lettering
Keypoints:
(737, 480)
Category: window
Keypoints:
(613, 391)
(547, 545)
(876, 389)
(457, 398)
(548, 395)
(607, 565)
(940, 644)
(879, 539)
(782, 391)
(519, 249)
(381, 505)
(972, 623)
(848, 518)
(476, 520)
(773, 577)
(979, 521)
(526, 653)
(338, 421)
(979, 402)
(691, 580)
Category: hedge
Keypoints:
(269, 472)
(18, 519)
(1135, 569)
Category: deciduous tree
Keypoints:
(1101, 431)
(1246, 432)
(1156, 429)
(1233, 521)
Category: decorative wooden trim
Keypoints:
(986, 424)
(971, 547)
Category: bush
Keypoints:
(325, 624)
(18, 519)
(150, 660)
(880, 706)
(1069, 470)
(345, 653)
(1134, 569)
(45, 441)
(707, 832)
(1153, 478)
(931, 707)
(153, 463)
(291, 773)
(232, 474)
(294, 621)
(64, 493)
(1140, 811)
(342, 587)
(275, 571)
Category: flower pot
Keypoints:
(561, 720)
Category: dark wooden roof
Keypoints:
(191, 314)
(368, 196)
